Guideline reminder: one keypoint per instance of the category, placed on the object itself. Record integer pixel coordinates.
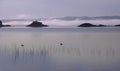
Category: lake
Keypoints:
(60, 49)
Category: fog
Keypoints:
(56, 22)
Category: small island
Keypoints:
(101, 25)
(91, 25)
(1, 25)
(36, 24)
(117, 25)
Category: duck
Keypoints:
(61, 44)
(22, 45)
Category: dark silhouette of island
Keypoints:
(36, 24)
(1, 25)
(86, 25)
(91, 25)
(117, 25)
(101, 25)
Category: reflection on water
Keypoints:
(42, 51)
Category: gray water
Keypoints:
(40, 49)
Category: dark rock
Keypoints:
(37, 24)
(6, 25)
(117, 25)
(86, 25)
(100, 25)
(1, 25)
(91, 25)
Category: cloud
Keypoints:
(22, 16)
(17, 23)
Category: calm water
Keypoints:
(60, 49)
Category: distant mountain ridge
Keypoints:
(68, 18)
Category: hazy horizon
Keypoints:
(56, 22)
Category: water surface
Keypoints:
(40, 49)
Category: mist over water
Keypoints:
(56, 22)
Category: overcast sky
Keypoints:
(58, 8)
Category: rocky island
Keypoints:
(101, 25)
(1, 25)
(36, 24)
(91, 25)
(117, 25)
